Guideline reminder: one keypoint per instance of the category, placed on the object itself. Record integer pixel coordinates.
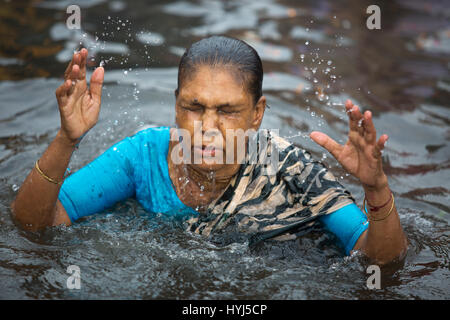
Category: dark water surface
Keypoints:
(316, 54)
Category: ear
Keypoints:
(176, 93)
(260, 107)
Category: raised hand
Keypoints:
(79, 105)
(361, 154)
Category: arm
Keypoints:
(385, 240)
(36, 204)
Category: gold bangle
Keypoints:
(44, 175)
(388, 214)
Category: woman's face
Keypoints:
(211, 103)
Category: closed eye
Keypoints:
(192, 108)
(228, 111)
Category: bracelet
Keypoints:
(376, 208)
(36, 165)
(387, 215)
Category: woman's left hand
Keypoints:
(361, 155)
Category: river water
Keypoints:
(316, 54)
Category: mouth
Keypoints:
(207, 151)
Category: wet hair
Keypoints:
(219, 51)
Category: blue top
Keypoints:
(137, 167)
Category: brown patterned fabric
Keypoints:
(258, 207)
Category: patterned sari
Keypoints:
(256, 206)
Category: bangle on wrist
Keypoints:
(373, 208)
(36, 165)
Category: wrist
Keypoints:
(378, 196)
(380, 184)
(63, 139)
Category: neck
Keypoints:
(212, 181)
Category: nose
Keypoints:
(210, 122)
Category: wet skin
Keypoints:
(217, 98)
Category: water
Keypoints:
(316, 55)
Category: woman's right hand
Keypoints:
(79, 106)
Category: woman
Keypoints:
(219, 91)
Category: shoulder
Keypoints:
(152, 132)
(288, 149)
(292, 159)
(297, 162)
(155, 136)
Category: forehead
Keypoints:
(213, 85)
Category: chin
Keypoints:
(209, 167)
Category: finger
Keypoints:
(73, 76)
(69, 67)
(356, 114)
(349, 108)
(96, 84)
(356, 119)
(75, 60)
(348, 104)
(61, 92)
(83, 59)
(382, 141)
(370, 133)
(379, 146)
(326, 142)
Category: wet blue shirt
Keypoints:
(137, 167)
